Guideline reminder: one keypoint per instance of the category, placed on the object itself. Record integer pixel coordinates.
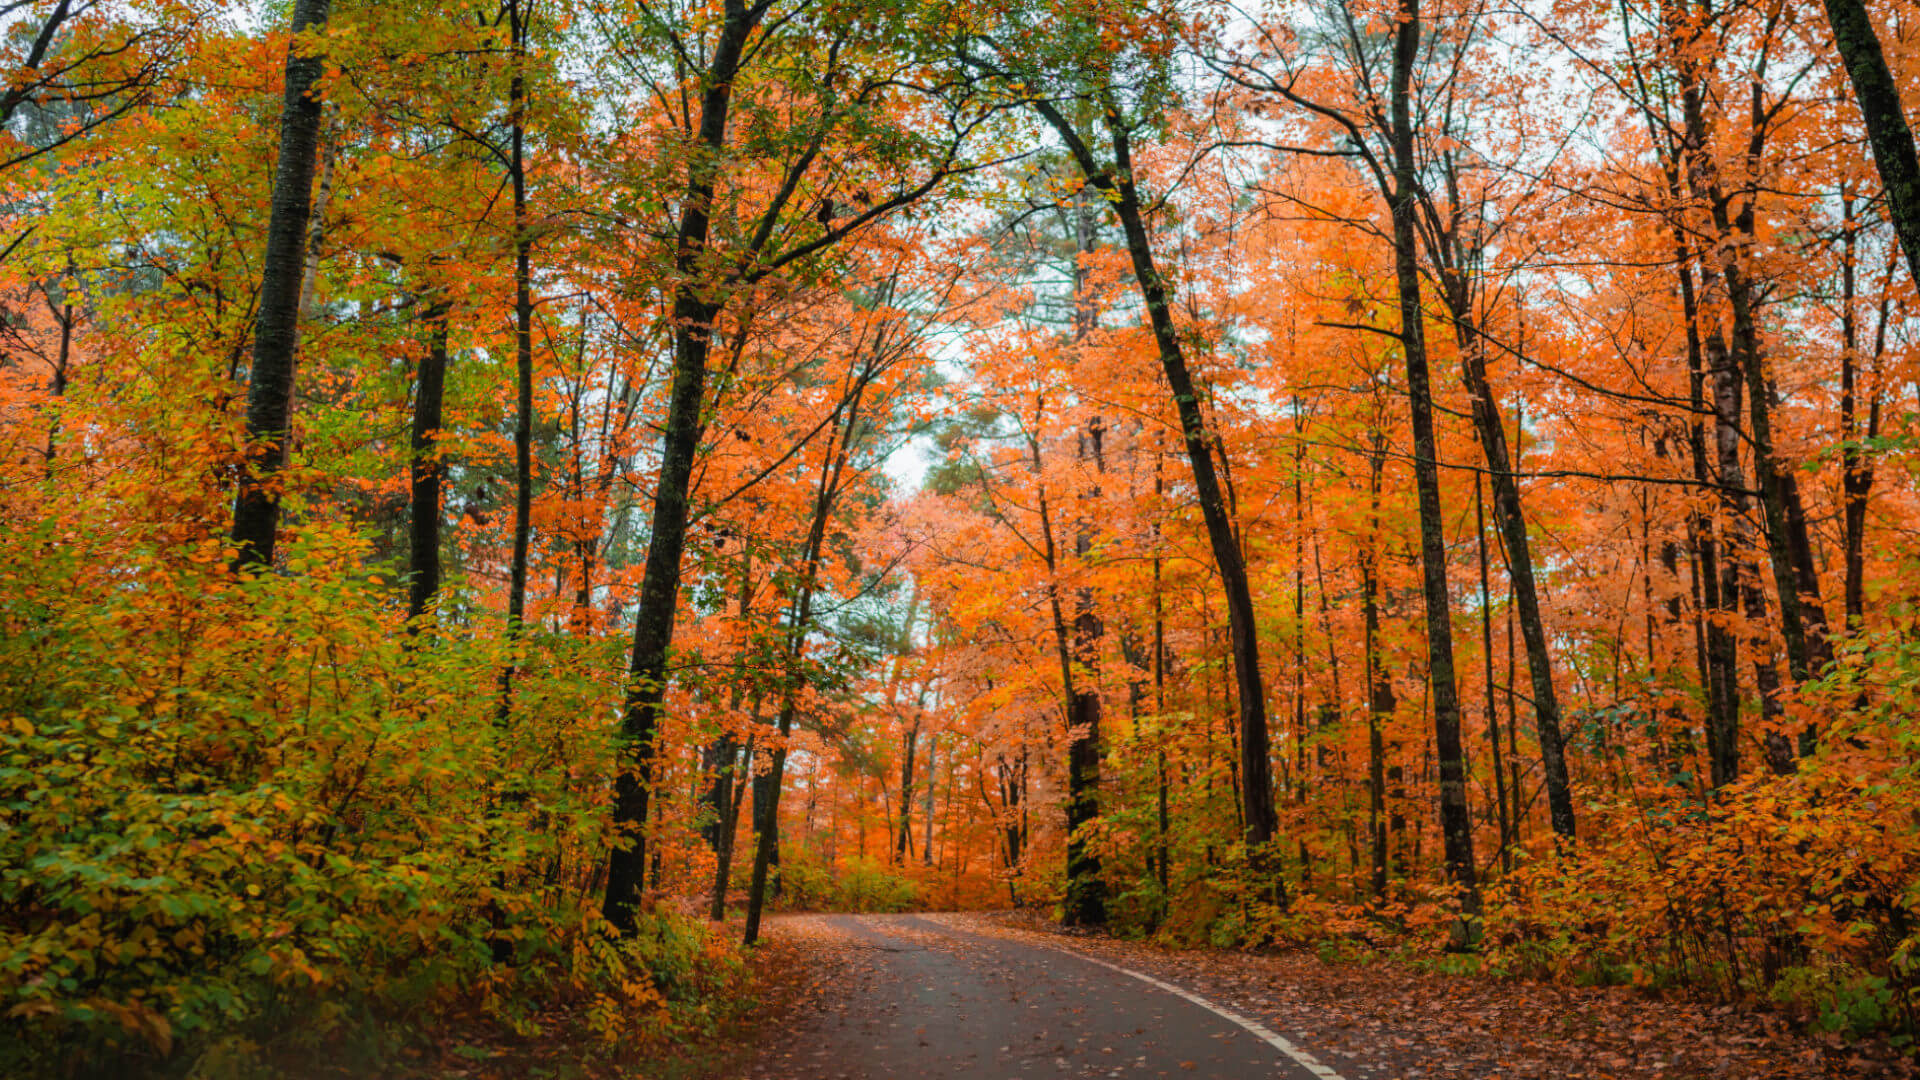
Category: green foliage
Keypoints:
(234, 813)
(862, 885)
(1841, 999)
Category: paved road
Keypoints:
(930, 999)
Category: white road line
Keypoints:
(1258, 1030)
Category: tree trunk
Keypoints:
(426, 469)
(256, 507)
(926, 809)
(1380, 699)
(903, 842)
(1259, 821)
(1720, 667)
(1878, 93)
(693, 315)
(1717, 649)
(1510, 519)
(1162, 818)
(522, 344)
(722, 797)
(1740, 370)
(1857, 453)
(1486, 650)
(1086, 899)
(1456, 826)
(766, 822)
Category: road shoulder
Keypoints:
(1386, 1019)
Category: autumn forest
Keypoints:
(499, 503)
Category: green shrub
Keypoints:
(862, 885)
(235, 815)
(1840, 998)
(866, 885)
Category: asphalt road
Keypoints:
(928, 999)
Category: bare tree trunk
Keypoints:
(1380, 702)
(693, 315)
(1510, 519)
(1486, 650)
(926, 810)
(426, 469)
(1162, 819)
(522, 342)
(1456, 825)
(1875, 88)
(1118, 183)
(256, 508)
(903, 842)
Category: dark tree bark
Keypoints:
(1380, 701)
(693, 315)
(1856, 455)
(1010, 777)
(902, 647)
(1715, 544)
(909, 749)
(766, 811)
(256, 507)
(426, 470)
(1510, 519)
(721, 760)
(1887, 128)
(1118, 183)
(766, 786)
(926, 809)
(724, 762)
(1736, 364)
(1456, 825)
(1455, 258)
(63, 315)
(1086, 900)
(1803, 624)
(522, 336)
(1082, 804)
(738, 775)
(1803, 620)
(28, 78)
(1720, 667)
(1736, 585)
(1486, 650)
(1162, 818)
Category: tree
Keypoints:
(256, 507)
(1108, 167)
(849, 84)
(1888, 131)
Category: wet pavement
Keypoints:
(925, 998)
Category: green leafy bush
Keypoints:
(863, 885)
(238, 813)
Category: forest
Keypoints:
(498, 501)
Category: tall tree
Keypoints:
(517, 14)
(1456, 824)
(844, 76)
(1102, 151)
(256, 507)
(427, 468)
(1888, 130)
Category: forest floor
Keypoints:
(996, 996)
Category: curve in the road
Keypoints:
(935, 1001)
(1305, 1060)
